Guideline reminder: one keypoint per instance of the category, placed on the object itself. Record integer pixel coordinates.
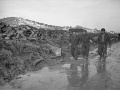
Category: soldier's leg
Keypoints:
(76, 53)
(83, 50)
(87, 50)
(72, 51)
(100, 50)
(105, 50)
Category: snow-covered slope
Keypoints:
(17, 21)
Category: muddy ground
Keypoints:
(74, 75)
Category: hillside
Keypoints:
(25, 47)
(17, 21)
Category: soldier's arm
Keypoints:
(98, 39)
(91, 38)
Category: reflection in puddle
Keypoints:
(77, 78)
(101, 67)
(72, 75)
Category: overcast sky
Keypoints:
(87, 13)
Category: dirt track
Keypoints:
(74, 75)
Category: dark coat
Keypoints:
(74, 40)
(106, 39)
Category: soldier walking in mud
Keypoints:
(85, 41)
(103, 41)
(74, 44)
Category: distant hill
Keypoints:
(17, 21)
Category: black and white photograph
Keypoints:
(59, 44)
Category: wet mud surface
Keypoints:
(74, 75)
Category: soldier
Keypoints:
(74, 44)
(103, 40)
(85, 41)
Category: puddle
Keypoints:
(72, 76)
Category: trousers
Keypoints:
(74, 51)
(102, 49)
(85, 49)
